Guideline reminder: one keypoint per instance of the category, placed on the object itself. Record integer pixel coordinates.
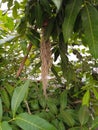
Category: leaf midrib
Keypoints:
(32, 124)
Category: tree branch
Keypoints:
(24, 60)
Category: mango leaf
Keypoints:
(5, 98)
(57, 3)
(83, 115)
(0, 110)
(86, 97)
(95, 124)
(71, 11)
(90, 20)
(52, 107)
(61, 126)
(5, 126)
(95, 93)
(63, 99)
(38, 12)
(18, 96)
(67, 118)
(32, 122)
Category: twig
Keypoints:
(28, 109)
(23, 61)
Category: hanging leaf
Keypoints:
(71, 11)
(90, 25)
(63, 100)
(38, 16)
(33, 122)
(57, 3)
(0, 110)
(18, 96)
(83, 115)
(95, 124)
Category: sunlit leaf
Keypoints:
(57, 3)
(86, 98)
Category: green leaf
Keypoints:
(46, 6)
(61, 126)
(57, 3)
(95, 93)
(33, 122)
(1, 110)
(79, 128)
(63, 99)
(18, 96)
(5, 98)
(90, 20)
(95, 124)
(52, 107)
(71, 11)
(86, 97)
(83, 115)
(38, 12)
(15, 12)
(5, 126)
(67, 118)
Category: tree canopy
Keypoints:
(49, 65)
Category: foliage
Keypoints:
(72, 94)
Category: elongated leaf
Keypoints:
(18, 96)
(5, 126)
(33, 122)
(57, 3)
(90, 25)
(83, 115)
(95, 124)
(86, 97)
(61, 126)
(63, 99)
(71, 11)
(0, 109)
(67, 118)
(95, 93)
(52, 107)
(38, 12)
(5, 98)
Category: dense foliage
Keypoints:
(54, 38)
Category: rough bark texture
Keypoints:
(45, 49)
